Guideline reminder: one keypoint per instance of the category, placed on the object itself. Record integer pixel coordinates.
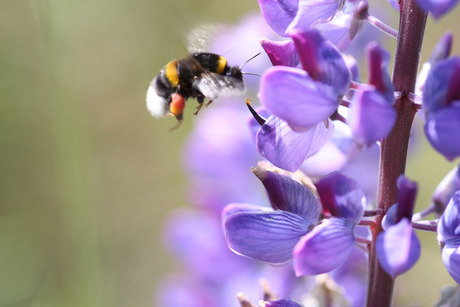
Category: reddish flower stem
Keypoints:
(393, 152)
(431, 226)
(382, 26)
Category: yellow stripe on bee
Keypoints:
(221, 64)
(171, 73)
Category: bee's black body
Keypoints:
(201, 75)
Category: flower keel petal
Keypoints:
(325, 248)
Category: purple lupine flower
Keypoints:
(342, 154)
(435, 7)
(284, 147)
(441, 103)
(338, 20)
(440, 52)
(378, 70)
(270, 235)
(321, 60)
(284, 15)
(279, 14)
(328, 245)
(281, 52)
(334, 155)
(292, 95)
(449, 237)
(372, 115)
(346, 24)
(398, 248)
(304, 98)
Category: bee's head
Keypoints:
(235, 72)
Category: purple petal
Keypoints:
(325, 248)
(286, 148)
(442, 85)
(449, 224)
(237, 207)
(436, 7)
(390, 217)
(442, 49)
(441, 130)
(290, 94)
(281, 53)
(269, 237)
(312, 11)
(440, 53)
(338, 31)
(327, 160)
(371, 117)
(289, 195)
(353, 67)
(451, 260)
(280, 303)
(341, 197)
(378, 70)
(404, 208)
(321, 59)
(254, 126)
(279, 14)
(398, 248)
(407, 192)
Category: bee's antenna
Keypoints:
(250, 73)
(249, 60)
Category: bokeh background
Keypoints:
(86, 175)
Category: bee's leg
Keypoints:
(200, 104)
(179, 122)
(179, 118)
(209, 102)
(198, 108)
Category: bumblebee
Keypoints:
(201, 75)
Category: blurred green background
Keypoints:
(87, 175)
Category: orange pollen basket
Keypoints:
(177, 104)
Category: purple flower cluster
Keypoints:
(319, 129)
(301, 101)
(441, 103)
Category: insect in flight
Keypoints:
(200, 75)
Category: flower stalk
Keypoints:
(393, 154)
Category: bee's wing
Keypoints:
(199, 38)
(157, 105)
(213, 85)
